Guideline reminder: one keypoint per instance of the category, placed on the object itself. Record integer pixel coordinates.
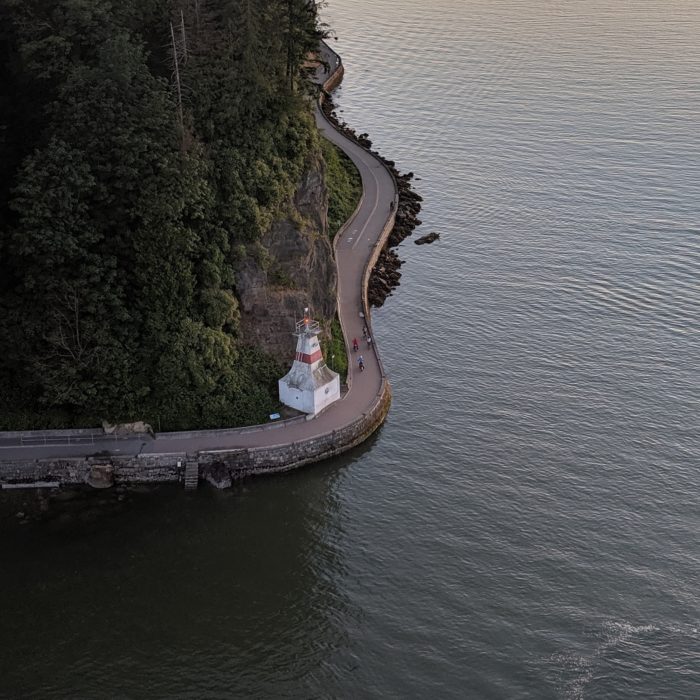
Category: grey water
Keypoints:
(526, 523)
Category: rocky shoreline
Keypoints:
(385, 275)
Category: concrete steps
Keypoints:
(191, 476)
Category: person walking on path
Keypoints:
(369, 342)
(364, 331)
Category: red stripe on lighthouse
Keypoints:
(309, 359)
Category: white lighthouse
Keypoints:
(310, 385)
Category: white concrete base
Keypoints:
(309, 392)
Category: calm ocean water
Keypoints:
(526, 523)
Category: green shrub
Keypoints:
(334, 350)
(344, 186)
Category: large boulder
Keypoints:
(429, 238)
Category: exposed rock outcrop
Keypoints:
(137, 428)
(297, 270)
(428, 238)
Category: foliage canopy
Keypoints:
(126, 197)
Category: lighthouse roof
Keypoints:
(300, 376)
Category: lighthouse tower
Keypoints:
(310, 385)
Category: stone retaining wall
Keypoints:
(281, 458)
(217, 465)
(78, 470)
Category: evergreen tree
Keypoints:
(126, 200)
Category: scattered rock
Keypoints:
(384, 278)
(385, 275)
(217, 475)
(429, 238)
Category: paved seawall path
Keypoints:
(357, 245)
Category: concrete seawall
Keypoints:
(220, 466)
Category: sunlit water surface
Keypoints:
(526, 523)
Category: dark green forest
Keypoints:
(145, 146)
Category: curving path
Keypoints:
(356, 243)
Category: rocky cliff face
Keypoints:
(299, 270)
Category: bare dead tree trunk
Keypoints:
(184, 38)
(176, 72)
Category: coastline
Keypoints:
(220, 456)
(385, 275)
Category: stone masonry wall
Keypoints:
(235, 464)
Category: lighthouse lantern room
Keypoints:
(310, 385)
